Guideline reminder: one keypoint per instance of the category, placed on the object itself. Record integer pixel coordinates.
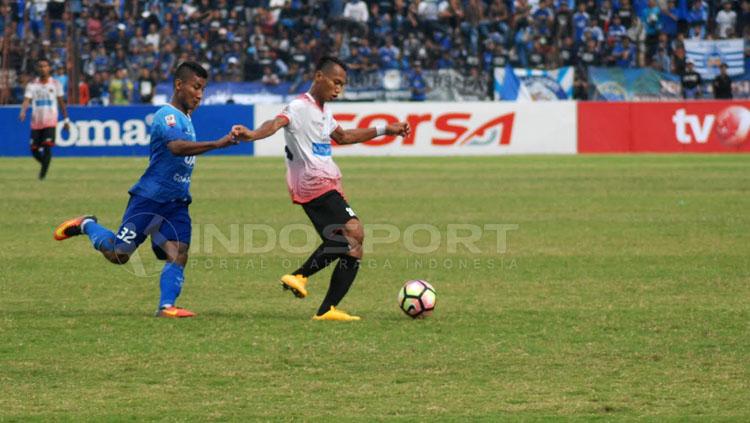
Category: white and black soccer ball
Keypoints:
(417, 298)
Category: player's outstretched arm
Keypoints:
(189, 148)
(354, 136)
(265, 130)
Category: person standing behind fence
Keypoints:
(691, 82)
(45, 95)
(722, 84)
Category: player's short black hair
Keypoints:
(185, 69)
(43, 59)
(326, 62)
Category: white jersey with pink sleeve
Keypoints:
(311, 171)
(43, 96)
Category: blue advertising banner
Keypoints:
(618, 84)
(120, 130)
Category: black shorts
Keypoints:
(329, 213)
(44, 137)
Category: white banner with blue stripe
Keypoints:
(533, 84)
(707, 55)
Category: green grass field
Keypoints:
(623, 292)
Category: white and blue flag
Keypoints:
(533, 84)
(707, 55)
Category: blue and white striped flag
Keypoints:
(534, 84)
(708, 55)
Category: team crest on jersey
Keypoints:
(171, 120)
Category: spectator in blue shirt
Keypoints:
(625, 53)
(616, 28)
(650, 18)
(662, 60)
(580, 22)
(697, 18)
(595, 30)
(445, 61)
(698, 12)
(388, 54)
(668, 18)
(417, 84)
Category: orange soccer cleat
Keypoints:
(173, 312)
(72, 227)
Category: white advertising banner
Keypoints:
(449, 129)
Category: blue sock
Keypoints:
(172, 277)
(101, 237)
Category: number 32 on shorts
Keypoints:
(126, 235)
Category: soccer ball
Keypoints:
(417, 299)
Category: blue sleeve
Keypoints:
(167, 127)
(172, 133)
(155, 131)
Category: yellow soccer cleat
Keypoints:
(336, 315)
(295, 283)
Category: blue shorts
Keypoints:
(162, 221)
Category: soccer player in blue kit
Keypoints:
(159, 201)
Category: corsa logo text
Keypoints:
(449, 129)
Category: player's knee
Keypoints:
(180, 257)
(355, 234)
(117, 258)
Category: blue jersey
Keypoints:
(167, 177)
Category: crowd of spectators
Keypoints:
(124, 48)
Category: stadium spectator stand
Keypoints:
(134, 45)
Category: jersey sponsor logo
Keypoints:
(450, 129)
(42, 103)
(171, 120)
(181, 178)
(321, 149)
(190, 161)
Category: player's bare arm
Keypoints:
(355, 136)
(189, 148)
(64, 111)
(24, 108)
(265, 130)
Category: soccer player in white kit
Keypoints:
(45, 95)
(314, 182)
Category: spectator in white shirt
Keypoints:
(356, 10)
(725, 20)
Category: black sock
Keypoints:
(37, 155)
(341, 281)
(46, 158)
(320, 259)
